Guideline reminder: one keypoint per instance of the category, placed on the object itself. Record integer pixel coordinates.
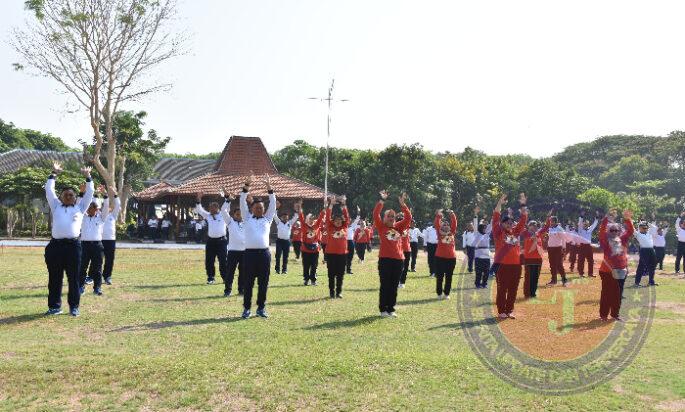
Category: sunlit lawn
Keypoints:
(160, 339)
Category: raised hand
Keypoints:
(100, 189)
(403, 199)
(267, 182)
(82, 188)
(384, 194)
(57, 167)
(199, 197)
(249, 179)
(85, 171)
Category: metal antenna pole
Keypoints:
(330, 101)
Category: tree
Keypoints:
(102, 53)
(137, 153)
(12, 137)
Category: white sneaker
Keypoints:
(401, 286)
(446, 297)
(440, 297)
(385, 315)
(393, 314)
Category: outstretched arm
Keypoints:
(90, 190)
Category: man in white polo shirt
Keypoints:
(284, 225)
(257, 259)
(647, 263)
(585, 253)
(215, 247)
(109, 237)
(63, 253)
(680, 233)
(236, 246)
(92, 251)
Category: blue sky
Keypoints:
(500, 76)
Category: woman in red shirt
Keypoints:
(337, 246)
(296, 238)
(390, 254)
(311, 236)
(445, 254)
(532, 256)
(507, 255)
(361, 240)
(614, 268)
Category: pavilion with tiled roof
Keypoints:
(241, 157)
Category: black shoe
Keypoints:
(653, 284)
(55, 311)
(262, 313)
(74, 312)
(332, 295)
(278, 271)
(97, 291)
(81, 290)
(210, 281)
(89, 280)
(108, 281)
(349, 272)
(338, 296)
(227, 294)
(246, 314)
(285, 272)
(306, 283)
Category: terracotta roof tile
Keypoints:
(285, 187)
(153, 192)
(243, 154)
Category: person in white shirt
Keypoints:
(153, 227)
(284, 225)
(166, 226)
(216, 245)
(414, 234)
(351, 229)
(109, 236)
(63, 252)
(92, 251)
(647, 263)
(680, 233)
(467, 244)
(571, 248)
(430, 237)
(257, 225)
(585, 253)
(481, 254)
(555, 250)
(659, 236)
(236, 247)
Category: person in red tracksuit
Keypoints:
(614, 267)
(507, 255)
(311, 238)
(361, 240)
(445, 254)
(532, 256)
(390, 254)
(296, 238)
(336, 246)
(369, 229)
(406, 251)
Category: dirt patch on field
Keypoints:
(677, 405)
(675, 307)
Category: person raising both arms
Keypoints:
(216, 244)
(584, 245)
(284, 225)
(445, 254)
(296, 237)
(680, 234)
(351, 229)
(533, 254)
(311, 237)
(481, 245)
(92, 252)
(337, 252)
(506, 233)
(109, 234)
(63, 252)
(390, 254)
(257, 259)
(236, 245)
(361, 240)
(614, 269)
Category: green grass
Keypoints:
(160, 339)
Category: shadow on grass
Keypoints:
(466, 325)
(591, 324)
(182, 299)
(13, 320)
(186, 285)
(417, 301)
(15, 297)
(172, 324)
(351, 323)
(296, 302)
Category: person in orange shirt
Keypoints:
(296, 238)
(311, 238)
(507, 250)
(390, 254)
(337, 245)
(614, 267)
(361, 240)
(445, 254)
(533, 254)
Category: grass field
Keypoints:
(160, 339)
